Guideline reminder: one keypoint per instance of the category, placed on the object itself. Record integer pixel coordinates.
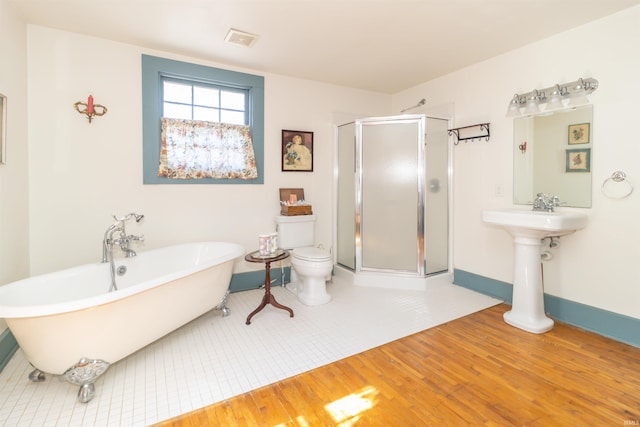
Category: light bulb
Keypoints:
(555, 99)
(578, 97)
(532, 104)
(514, 108)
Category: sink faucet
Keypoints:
(544, 202)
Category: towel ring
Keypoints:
(618, 176)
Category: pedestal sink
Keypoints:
(528, 228)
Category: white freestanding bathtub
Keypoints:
(68, 319)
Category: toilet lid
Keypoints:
(311, 254)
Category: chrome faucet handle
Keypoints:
(139, 238)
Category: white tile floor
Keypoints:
(214, 358)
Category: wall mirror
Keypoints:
(3, 127)
(552, 155)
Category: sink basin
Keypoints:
(536, 223)
(528, 228)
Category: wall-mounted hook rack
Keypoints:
(466, 133)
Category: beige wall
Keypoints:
(81, 173)
(596, 266)
(14, 208)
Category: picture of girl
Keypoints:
(297, 151)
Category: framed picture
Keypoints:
(579, 160)
(3, 126)
(297, 151)
(579, 134)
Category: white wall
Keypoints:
(596, 266)
(14, 208)
(81, 173)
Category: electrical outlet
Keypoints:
(499, 190)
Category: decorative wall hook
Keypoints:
(90, 109)
(523, 147)
(465, 133)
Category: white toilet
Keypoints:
(310, 265)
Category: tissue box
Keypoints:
(297, 194)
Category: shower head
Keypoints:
(419, 104)
(138, 217)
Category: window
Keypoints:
(184, 99)
(182, 92)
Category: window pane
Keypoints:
(232, 100)
(209, 97)
(177, 92)
(177, 111)
(233, 117)
(206, 114)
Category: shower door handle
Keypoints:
(434, 185)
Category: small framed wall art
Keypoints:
(297, 151)
(579, 133)
(579, 160)
(3, 127)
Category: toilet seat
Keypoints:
(311, 254)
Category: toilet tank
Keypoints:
(295, 231)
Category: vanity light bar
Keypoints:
(576, 92)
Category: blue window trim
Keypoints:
(153, 68)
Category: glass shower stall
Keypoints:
(393, 196)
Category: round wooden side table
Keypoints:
(268, 298)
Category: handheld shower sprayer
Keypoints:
(137, 217)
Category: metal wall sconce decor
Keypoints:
(90, 109)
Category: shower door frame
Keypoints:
(441, 276)
(420, 120)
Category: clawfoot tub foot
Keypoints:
(84, 373)
(37, 376)
(222, 306)
(86, 392)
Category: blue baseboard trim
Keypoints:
(8, 347)
(255, 279)
(493, 288)
(607, 323)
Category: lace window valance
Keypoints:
(193, 149)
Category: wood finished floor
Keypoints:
(476, 370)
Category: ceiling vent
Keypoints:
(240, 37)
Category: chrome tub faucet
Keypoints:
(123, 240)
